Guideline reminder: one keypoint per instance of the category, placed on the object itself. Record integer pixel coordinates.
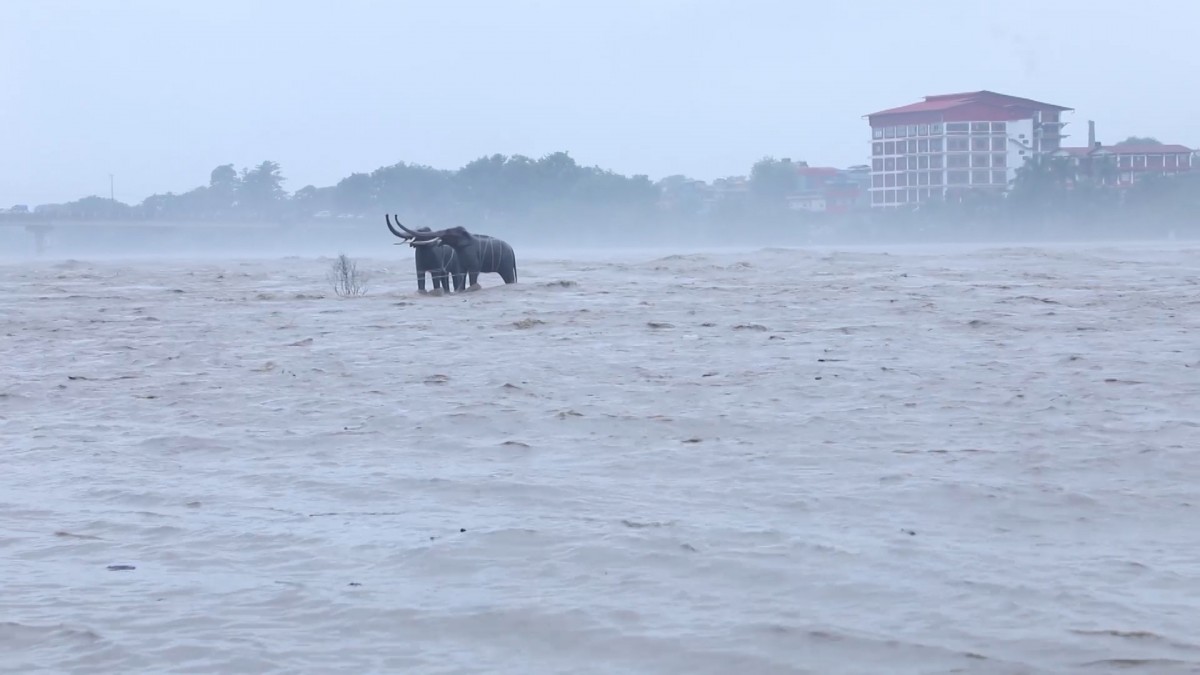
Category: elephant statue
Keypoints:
(477, 253)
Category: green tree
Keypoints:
(412, 188)
(1041, 182)
(354, 194)
(260, 192)
(1140, 140)
(223, 187)
(773, 180)
(310, 200)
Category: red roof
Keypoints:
(1135, 149)
(1147, 149)
(1010, 107)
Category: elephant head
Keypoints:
(454, 237)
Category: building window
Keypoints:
(981, 128)
(999, 127)
(1171, 162)
(935, 177)
(889, 164)
(999, 143)
(877, 197)
(923, 130)
(901, 163)
(891, 196)
(1139, 162)
(901, 131)
(877, 149)
(877, 180)
(935, 129)
(877, 132)
(980, 161)
(901, 180)
(923, 162)
(935, 145)
(923, 178)
(981, 177)
(1154, 161)
(957, 127)
(1000, 160)
(981, 144)
(935, 161)
(877, 165)
(1125, 162)
(956, 161)
(889, 132)
(957, 144)
(957, 177)
(889, 180)
(912, 130)
(999, 177)
(912, 147)
(923, 145)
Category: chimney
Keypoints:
(1091, 135)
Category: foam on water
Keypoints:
(764, 461)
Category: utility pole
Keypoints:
(110, 188)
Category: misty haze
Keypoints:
(583, 337)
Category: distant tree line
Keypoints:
(556, 191)
(496, 185)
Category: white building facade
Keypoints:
(942, 147)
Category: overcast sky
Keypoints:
(159, 92)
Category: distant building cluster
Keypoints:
(818, 189)
(949, 144)
(952, 144)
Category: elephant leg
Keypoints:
(508, 266)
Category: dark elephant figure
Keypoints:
(477, 253)
(441, 263)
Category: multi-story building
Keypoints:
(1125, 163)
(951, 143)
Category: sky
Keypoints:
(156, 94)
